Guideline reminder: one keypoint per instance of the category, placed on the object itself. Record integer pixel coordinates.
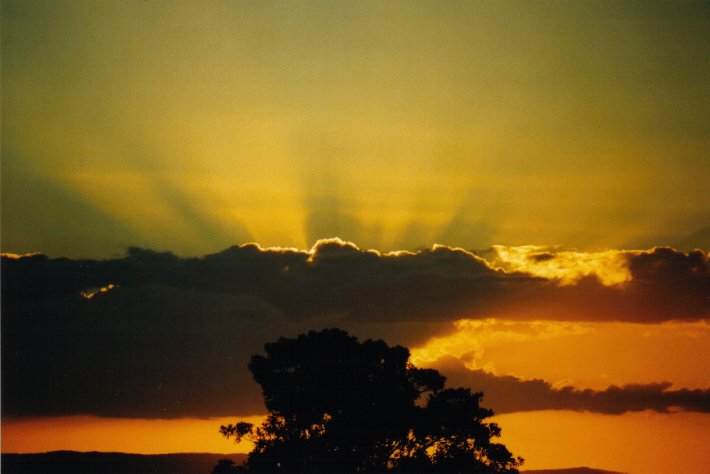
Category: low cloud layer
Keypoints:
(156, 335)
(505, 394)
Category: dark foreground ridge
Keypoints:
(73, 462)
(574, 470)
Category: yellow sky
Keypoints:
(191, 127)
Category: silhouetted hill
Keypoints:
(72, 462)
(574, 470)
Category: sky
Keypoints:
(516, 191)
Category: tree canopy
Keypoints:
(337, 405)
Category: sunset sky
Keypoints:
(516, 191)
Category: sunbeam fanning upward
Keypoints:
(285, 124)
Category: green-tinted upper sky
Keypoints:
(191, 126)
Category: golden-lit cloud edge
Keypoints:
(442, 282)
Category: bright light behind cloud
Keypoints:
(470, 339)
(90, 293)
(567, 267)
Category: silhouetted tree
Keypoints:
(337, 405)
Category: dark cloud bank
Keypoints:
(173, 338)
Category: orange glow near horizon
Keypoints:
(633, 442)
(585, 355)
(126, 435)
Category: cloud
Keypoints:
(567, 267)
(173, 335)
(653, 285)
(441, 283)
(506, 394)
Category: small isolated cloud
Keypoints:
(171, 336)
(506, 394)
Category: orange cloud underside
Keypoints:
(586, 355)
